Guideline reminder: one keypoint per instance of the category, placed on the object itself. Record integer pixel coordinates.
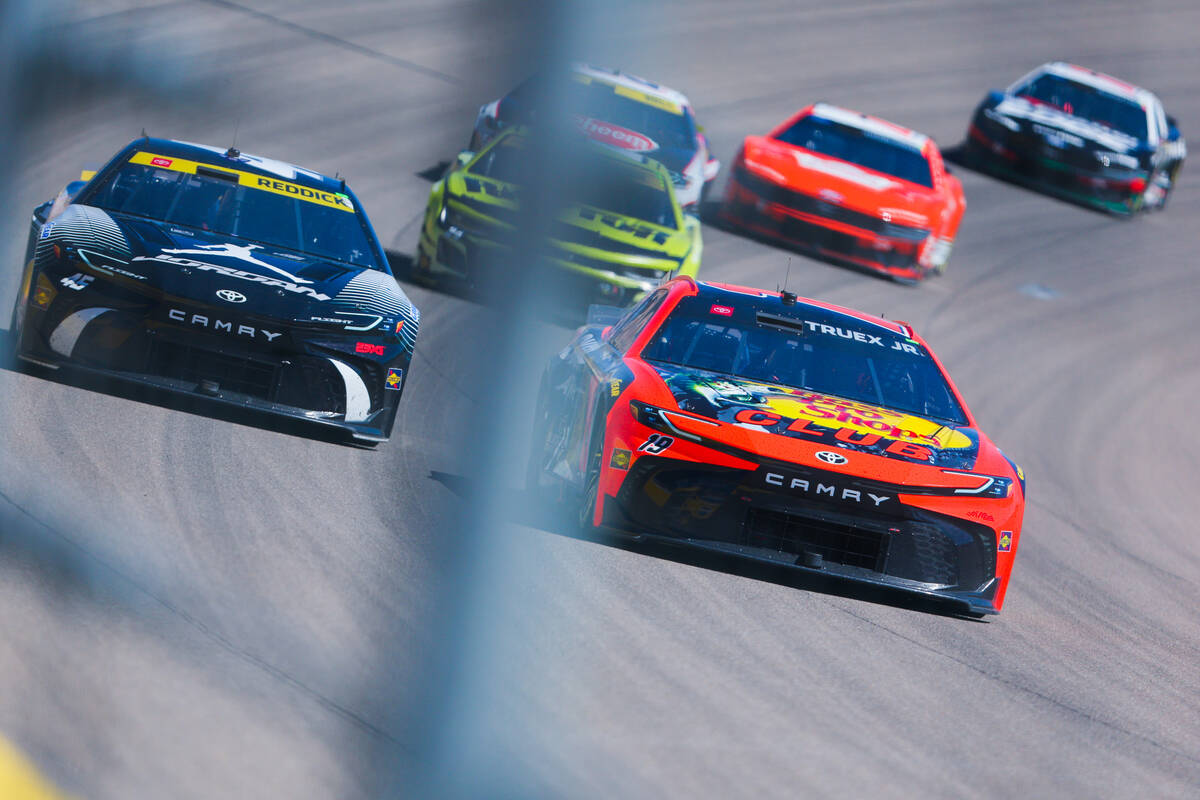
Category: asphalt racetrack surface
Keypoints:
(198, 606)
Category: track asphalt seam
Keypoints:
(336, 41)
(221, 641)
(1025, 689)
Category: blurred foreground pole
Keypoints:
(459, 736)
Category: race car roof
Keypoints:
(776, 298)
(633, 82)
(1090, 77)
(864, 122)
(243, 161)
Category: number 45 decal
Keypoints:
(656, 444)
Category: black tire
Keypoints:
(12, 339)
(537, 445)
(587, 503)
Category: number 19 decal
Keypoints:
(656, 444)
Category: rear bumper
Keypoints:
(824, 228)
(732, 511)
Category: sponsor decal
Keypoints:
(614, 387)
(238, 251)
(981, 515)
(830, 457)
(319, 196)
(900, 443)
(859, 336)
(334, 199)
(633, 229)
(620, 459)
(235, 273)
(501, 191)
(230, 296)
(49, 226)
(821, 488)
(614, 135)
(399, 326)
(367, 347)
(655, 444)
(838, 424)
(77, 282)
(220, 325)
(1004, 545)
(1064, 123)
(724, 311)
(394, 378)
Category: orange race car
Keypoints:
(767, 426)
(851, 187)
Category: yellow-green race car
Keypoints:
(620, 230)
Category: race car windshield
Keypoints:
(213, 202)
(864, 148)
(668, 125)
(608, 183)
(813, 350)
(1088, 102)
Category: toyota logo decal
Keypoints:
(230, 296)
(830, 457)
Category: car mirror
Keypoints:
(464, 157)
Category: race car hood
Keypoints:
(196, 267)
(787, 424)
(1039, 119)
(643, 243)
(626, 140)
(839, 182)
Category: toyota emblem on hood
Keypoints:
(830, 457)
(230, 296)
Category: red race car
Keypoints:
(772, 427)
(851, 187)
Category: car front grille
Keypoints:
(835, 542)
(256, 378)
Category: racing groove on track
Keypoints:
(222, 608)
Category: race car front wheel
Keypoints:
(587, 503)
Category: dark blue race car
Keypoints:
(208, 271)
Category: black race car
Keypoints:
(1080, 134)
(209, 271)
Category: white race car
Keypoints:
(621, 111)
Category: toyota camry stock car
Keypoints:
(619, 232)
(1080, 134)
(213, 272)
(623, 111)
(767, 426)
(850, 187)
